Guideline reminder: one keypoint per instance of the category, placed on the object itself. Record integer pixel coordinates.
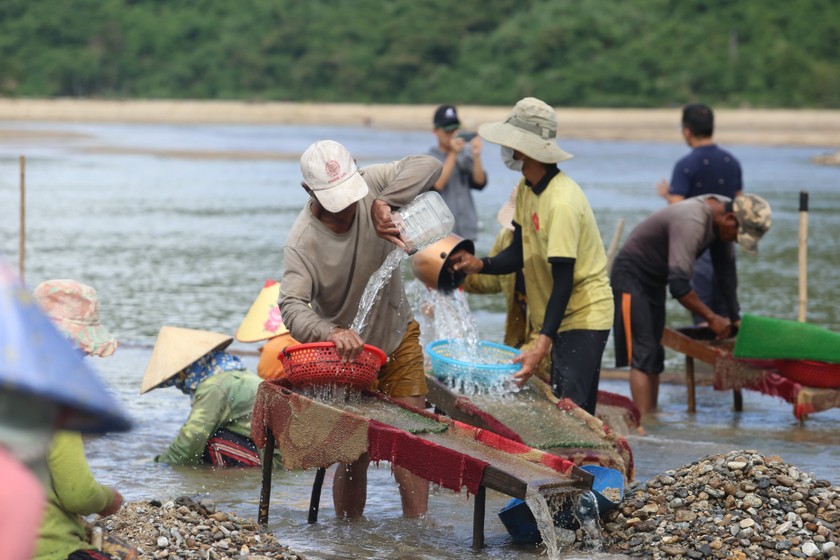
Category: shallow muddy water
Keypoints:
(189, 242)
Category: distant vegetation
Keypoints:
(606, 53)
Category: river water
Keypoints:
(189, 241)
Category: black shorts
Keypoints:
(576, 366)
(639, 323)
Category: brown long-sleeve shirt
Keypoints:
(330, 271)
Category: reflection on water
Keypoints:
(189, 243)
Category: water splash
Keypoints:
(443, 316)
(374, 288)
(587, 515)
(333, 394)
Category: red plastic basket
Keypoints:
(822, 375)
(317, 363)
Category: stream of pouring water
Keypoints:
(374, 287)
(545, 503)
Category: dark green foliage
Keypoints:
(609, 53)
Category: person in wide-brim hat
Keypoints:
(263, 322)
(74, 309)
(222, 393)
(73, 491)
(557, 244)
(531, 128)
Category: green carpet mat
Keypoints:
(776, 339)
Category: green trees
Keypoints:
(642, 53)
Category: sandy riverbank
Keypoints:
(817, 128)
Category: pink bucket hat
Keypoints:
(74, 308)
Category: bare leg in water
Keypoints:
(350, 487)
(414, 490)
(645, 390)
(350, 483)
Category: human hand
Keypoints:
(663, 187)
(464, 261)
(456, 144)
(475, 147)
(115, 505)
(721, 326)
(348, 343)
(530, 360)
(383, 223)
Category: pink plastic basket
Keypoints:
(317, 363)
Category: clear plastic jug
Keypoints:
(423, 222)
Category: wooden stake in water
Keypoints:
(613, 248)
(803, 255)
(22, 241)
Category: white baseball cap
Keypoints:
(330, 172)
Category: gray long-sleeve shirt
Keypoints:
(663, 248)
(330, 271)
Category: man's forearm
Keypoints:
(693, 303)
(479, 177)
(446, 173)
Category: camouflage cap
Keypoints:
(754, 219)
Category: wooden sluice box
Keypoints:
(451, 454)
(536, 418)
(730, 373)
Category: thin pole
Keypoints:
(803, 255)
(22, 240)
(613, 249)
(265, 490)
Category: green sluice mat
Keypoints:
(539, 422)
(391, 414)
(767, 338)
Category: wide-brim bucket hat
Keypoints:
(531, 128)
(36, 359)
(74, 308)
(175, 349)
(263, 320)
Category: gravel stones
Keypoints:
(184, 529)
(738, 505)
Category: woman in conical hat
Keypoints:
(221, 390)
(264, 322)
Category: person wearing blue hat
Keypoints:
(73, 491)
(45, 385)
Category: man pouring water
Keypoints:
(340, 239)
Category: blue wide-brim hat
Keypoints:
(36, 359)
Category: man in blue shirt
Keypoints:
(708, 169)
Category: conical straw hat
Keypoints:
(263, 320)
(175, 349)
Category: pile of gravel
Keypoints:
(737, 505)
(186, 529)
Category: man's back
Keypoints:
(667, 243)
(707, 169)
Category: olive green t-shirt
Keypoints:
(556, 224)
